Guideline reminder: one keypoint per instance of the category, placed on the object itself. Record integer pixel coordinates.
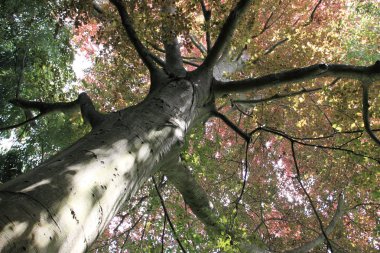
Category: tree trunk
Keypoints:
(65, 203)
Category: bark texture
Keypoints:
(65, 203)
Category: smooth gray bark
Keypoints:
(64, 204)
(193, 194)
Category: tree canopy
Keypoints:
(289, 162)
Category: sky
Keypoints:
(80, 64)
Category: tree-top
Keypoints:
(201, 126)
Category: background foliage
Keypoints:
(334, 155)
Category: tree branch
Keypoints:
(308, 246)
(269, 50)
(87, 108)
(163, 235)
(161, 50)
(298, 177)
(89, 113)
(304, 143)
(173, 58)
(167, 216)
(229, 123)
(156, 47)
(268, 24)
(367, 124)
(198, 201)
(329, 229)
(224, 36)
(274, 46)
(207, 17)
(163, 63)
(245, 177)
(194, 196)
(279, 96)
(313, 13)
(275, 97)
(140, 48)
(298, 75)
(198, 45)
(44, 107)
(191, 63)
(158, 60)
(21, 123)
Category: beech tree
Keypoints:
(238, 126)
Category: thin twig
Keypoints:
(248, 114)
(167, 216)
(299, 141)
(163, 235)
(198, 45)
(245, 177)
(21, 123)
(128, 232)
(229, 123)
(161, 50)
(313, 13)
(21, 76)
(274, 46)
(191, 63)
(298, 177)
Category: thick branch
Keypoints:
(279, 96)
(173, 58)
(198, 201)
(298, 75)
(207, 17)
(194, 196)
(89, 113)
(158, 60)
(367, 124)
(140, 48)
(87, 108)
(44, 107)
(225, 35)
(275, 97)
